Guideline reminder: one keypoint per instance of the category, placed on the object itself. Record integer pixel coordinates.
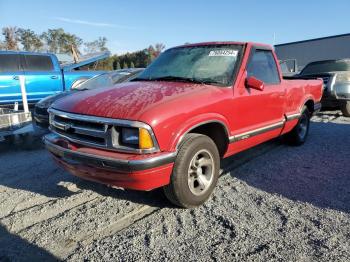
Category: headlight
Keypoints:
(130, 136)
(139, 138)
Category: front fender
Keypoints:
(194, 122)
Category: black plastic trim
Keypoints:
(76, 158)
(256, 132)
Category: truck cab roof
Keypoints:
(265, 46)
(25, 52)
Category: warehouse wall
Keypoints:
(304, 52)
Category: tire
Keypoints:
(345, 108)
(195, 172)
(299, 133)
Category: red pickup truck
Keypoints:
(169, 127)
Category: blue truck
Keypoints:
(43, 74)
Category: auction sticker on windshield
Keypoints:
(224, 52)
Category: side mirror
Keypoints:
(252, 82)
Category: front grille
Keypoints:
(97, 132)
(80, 124)
(41, 111)
(80, 131)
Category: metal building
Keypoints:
(325, 48)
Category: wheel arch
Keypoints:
(309, 103)
(216, 129)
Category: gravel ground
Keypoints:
(273, 202)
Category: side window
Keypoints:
(262, 65)
(38, 63)
(9, 63)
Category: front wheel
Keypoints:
(195, 173)
(299, 133)
(345, 108)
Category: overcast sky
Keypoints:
(134, 25)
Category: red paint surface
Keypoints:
(140, 180)
(173, 108)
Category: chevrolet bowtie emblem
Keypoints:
(66, 127)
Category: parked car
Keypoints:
(44, 75)
(336, 78)
(170, 126)
(41, 116)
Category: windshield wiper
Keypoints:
(175, 78)
(210, 81)
(180, 79)
(167, 78)
(141, 79)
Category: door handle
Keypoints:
(54, 77)
(15, 77)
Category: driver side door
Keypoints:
(260, 114)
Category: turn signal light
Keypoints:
(145, 139)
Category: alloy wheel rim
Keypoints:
(201, 172)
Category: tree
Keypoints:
(68, 41)
(125, 65)
(29, 40)
(140, 58)
(105, 64)
(159, 47)
(2, 45)
(137, 59)
(154, 51)
(132, 64)
(151, 54)
(58, 41)
(52, 39)
(96, 46)
(11, 37)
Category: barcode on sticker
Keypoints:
(223, 53)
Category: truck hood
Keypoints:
(132, 99)
(85, 60)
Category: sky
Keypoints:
(135, 24)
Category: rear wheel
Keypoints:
(345, 109)
(300, 132)
(195, 173)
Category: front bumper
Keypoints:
(140, 172)
(342, 91)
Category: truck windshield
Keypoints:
(209, 64)
(326, 66)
